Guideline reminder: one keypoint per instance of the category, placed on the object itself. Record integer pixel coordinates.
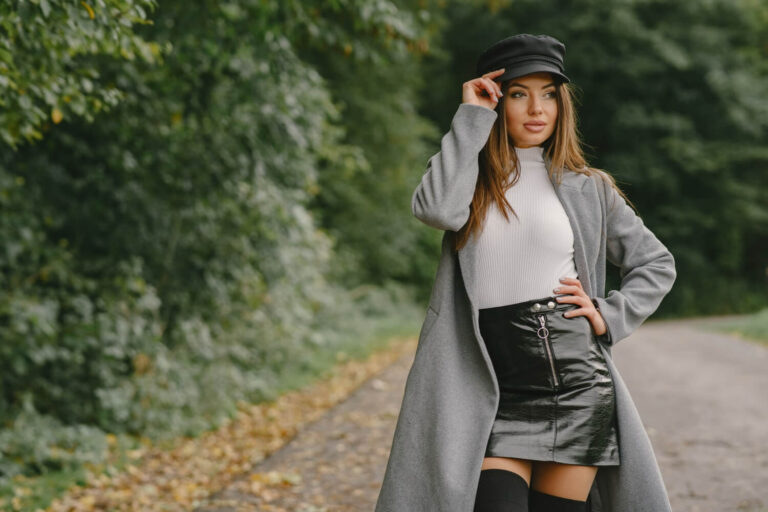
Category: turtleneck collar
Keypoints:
(534, 154)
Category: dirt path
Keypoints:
(702, 396)
(336, 464)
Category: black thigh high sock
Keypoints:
(541, 502)
(500, 490)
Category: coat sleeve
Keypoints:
(443, 197)
(647, 269)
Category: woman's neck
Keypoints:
(531, 154)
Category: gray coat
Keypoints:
(451, 393)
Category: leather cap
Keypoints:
(523, 54)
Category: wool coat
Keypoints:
(451, 392)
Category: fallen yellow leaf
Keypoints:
(88, 8)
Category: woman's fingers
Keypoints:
(494, 73)
(570, 288)
(573, 299)
(491, 76)
(482, 85)
(571, 281)
(579, 300)
(575, 294)
(472, 90)
(493, 89)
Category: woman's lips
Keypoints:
(535, 126)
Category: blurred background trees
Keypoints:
(199, 197)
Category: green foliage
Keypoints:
(42, 443)
(50, 56)
(364, 203)
(163, 262)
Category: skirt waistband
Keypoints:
(542, 305)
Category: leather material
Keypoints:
(556, 392)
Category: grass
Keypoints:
(351, 347)
(30, 494)
(752, 327)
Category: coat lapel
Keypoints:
(569, 191)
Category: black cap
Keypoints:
(523, 54)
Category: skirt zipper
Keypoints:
(543, 333)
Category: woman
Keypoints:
(513, 400)
(555, 418)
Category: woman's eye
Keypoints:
(520, 94)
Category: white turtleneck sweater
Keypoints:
(523, 258)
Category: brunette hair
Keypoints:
(499, 168)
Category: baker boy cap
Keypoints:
(523, 54)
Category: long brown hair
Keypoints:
(500, 169)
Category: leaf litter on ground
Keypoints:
(181, 477)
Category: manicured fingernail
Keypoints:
(556, 290)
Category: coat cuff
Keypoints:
(475, 123)
(606, 336)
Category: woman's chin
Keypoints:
(527, 143)
(529, 139)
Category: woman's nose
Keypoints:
(534, 106)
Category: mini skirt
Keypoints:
(556, 392)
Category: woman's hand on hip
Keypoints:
(579, 297)
(482, 91)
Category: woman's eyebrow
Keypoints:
(526, 87)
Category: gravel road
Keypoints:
(703, 397)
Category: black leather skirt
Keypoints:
(557, 396)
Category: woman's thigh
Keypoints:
(563, 480)
(520, 466)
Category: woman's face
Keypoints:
(531, 109)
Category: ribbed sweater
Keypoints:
(523, 258)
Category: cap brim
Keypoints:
(529, 68)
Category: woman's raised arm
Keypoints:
(443, 197)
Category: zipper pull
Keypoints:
(542, 332)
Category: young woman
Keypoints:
(513, 402)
